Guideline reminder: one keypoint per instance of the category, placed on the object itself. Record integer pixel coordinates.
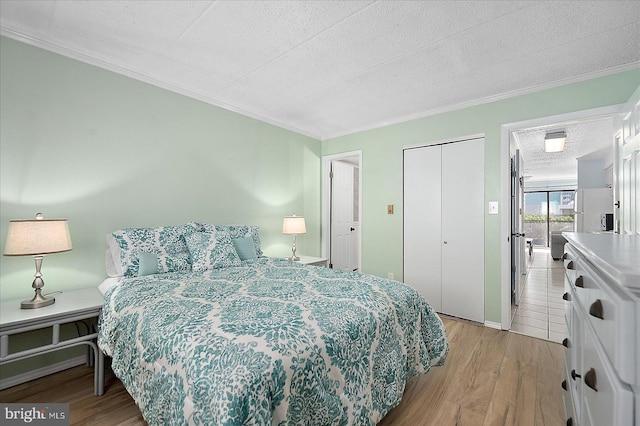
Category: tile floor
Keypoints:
(541, 310)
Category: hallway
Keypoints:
(541, 310)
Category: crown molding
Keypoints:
(489, 99)
(82, 57)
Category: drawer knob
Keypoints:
(565, 342)
(580, 281)
(591, 380)
(574, 375)
(566, 297)
(596, 309)
(570, 265)
(564, 385)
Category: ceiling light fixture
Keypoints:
(554, 142)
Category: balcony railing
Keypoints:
(537, 228)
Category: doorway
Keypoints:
(342, 210)
(507, 151)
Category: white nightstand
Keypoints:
(70, 306)
(314, 261)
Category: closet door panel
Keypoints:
(422, 217)
(462, 239)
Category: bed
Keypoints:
(259, 340)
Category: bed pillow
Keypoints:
(167, 242)
(237, 231)
(211, 251)
(112, 252)
(245, 248)
(147, 263)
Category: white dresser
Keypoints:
(602, 361)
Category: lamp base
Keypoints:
(293, 258)
(38, 301)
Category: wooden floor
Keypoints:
(491, 377)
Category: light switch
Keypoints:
(493, 207)
(390, 209)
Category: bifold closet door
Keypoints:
(463, 229)
(422, 222)
(444, 226)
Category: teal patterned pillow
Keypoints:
(167, 242)
(237, 231)
(211, 251)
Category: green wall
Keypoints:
(382, 166)
(106, 151)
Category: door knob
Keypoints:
(445, 242)
(353, 229)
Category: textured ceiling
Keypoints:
(328, 68)
(585, 138)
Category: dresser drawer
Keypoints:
(570, 257)
(571, 396)
(569, 412)
(573, 359)
(569, 294)
(607, 400)
(570, 252)
(569, 350)
(571, 264)
(572, 343)
(611, 313)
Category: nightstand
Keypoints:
(70, 307)
(313, 261)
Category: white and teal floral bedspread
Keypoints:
(268, 342)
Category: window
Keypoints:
(547, 211)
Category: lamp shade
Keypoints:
(37, 237)
(294, 225)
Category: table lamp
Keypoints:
(293, 225)
(37, 237)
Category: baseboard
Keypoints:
(41, 372)
(492, 324)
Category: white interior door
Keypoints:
(463, 229)
(627, 169)
(422, 222)
(344, 226)
(518, 240)
(627, 222)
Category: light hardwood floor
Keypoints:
(491, 377)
